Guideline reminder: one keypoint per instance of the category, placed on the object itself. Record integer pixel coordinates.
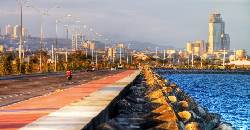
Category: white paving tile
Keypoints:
(76, 115)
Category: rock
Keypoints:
(150, 123)
(225, 126)
(160, 100)
(172, 99)
(184, 115)
(183, 104)
(166, 81)
(181, 125)
(192, 126)
(162, 108)
(155, 94)
(167, 89)
(214, 122)
(167, 116)
(200, 111)
(167, 126)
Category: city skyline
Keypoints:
(142, 24)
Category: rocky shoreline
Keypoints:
(153, 103)
(200, 71)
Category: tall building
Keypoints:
(217, 39)
(226, 41)
(77, 41)
(9, 30)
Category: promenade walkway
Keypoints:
(68, 109)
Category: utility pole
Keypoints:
(52, 52)
(20, 48)
(41, 45)
(66, 56)
(92, 54)
(131, 60)
(96, 60)
(113, 55)
(120, 55)
(192, 59)
(234, 55)
(156, 51)
(164, 57)
(224, 57)
(201, 62)
(127, 55)
(55, 62)
(56, 45)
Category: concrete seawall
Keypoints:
(120, 88)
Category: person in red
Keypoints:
(69, 74)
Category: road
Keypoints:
(15, 89)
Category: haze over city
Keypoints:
(160, 22)
(124, 64)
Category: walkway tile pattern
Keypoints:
(22, 114)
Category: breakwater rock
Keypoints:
(200, 71)
(153, 103)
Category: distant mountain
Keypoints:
(146, 45)
(33, 43)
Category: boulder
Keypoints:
(172, 99)
(225, 126)
(183, 104)
(184, 115)
(192, 126)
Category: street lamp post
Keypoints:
(192, 58)
(120, 55)
(224, 57)
(164, 57)
(20, 47)
(96, 59)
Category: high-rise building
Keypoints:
(9, 30)
(226, 41)
(77, 41)
(217, 39)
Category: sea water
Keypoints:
(225, 94)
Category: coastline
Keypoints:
(200, 71)
(153, 103)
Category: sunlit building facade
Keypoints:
(197, 47)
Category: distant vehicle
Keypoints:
(120, 66)
(90, 69)
(113, 69)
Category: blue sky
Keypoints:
(170, 22)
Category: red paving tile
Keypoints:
(20, 114)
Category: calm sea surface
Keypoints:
(225, 94)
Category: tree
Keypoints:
(7, 63)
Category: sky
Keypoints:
(165, 22)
